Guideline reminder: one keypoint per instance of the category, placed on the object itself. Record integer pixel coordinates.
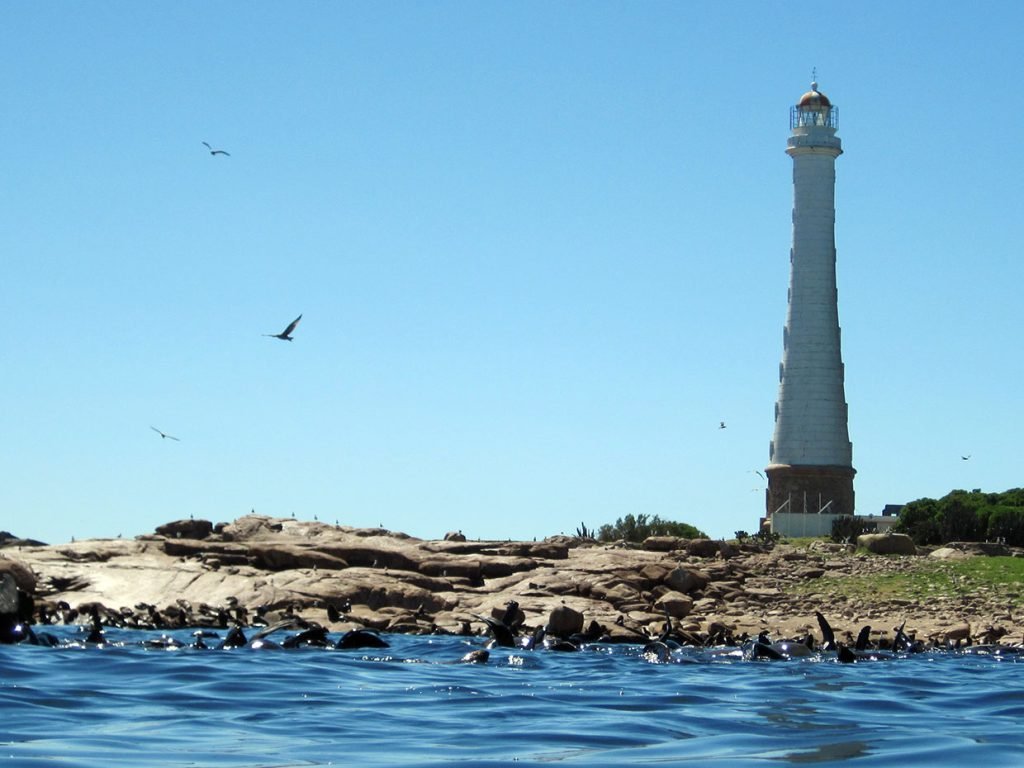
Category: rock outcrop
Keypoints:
(259, 568)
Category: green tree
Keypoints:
(639, 527)
(1006, 524)
(964, 516)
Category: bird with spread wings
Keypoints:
(286, 334)
(216, 151)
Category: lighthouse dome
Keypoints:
(813, 100)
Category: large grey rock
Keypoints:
(887, 543)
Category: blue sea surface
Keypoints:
(413, 704)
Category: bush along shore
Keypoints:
(261, 571)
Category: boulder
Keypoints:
(686, 580)
(702, 547)
(663, 543)
(675, 604)
(186, 529)
(987, 548)
(887, 543)
(948, 553)
(564, 621)
(612, 592)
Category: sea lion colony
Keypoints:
(17, 615)
(258, 572)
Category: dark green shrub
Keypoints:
(640, 527)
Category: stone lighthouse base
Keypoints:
(803, 488)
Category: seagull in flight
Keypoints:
(721, 425)
(164, 434)
(286, 334)
(216, 151)
(965, 458)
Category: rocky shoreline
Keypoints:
(259, 569)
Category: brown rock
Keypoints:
(663, 543)
(186, 529)
(452, 567)
(676, 604)
(702, 547)
(686, 580)
(564, 621)
(282, 557)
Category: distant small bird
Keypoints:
(721, 425)
(285, 335)
(965, 458)
(216, 151)
(759, 474)
(164, 434)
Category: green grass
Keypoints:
(1001, 577)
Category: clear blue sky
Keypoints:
(540, 249)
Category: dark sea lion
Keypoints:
(758, 650)
(260, 639)
(361, 638)
(863, 638)
(513, 617)
(792, 648)
(847, 656)
(16, 608)
(994, 649)
(479, 656)
(659, 649)
(901, 642)
(234, 639)
(314, 636)
(96, 636)
(502, 635)
(558, 644)
(828, 637)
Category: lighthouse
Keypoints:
(810, 468)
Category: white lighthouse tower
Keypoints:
(811, 456)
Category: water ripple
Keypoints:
(416, 706)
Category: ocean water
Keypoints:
(413, 705)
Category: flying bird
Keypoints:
(721, 425)
(216, 151)
(164, 434)
(286, 334)
(965, 458)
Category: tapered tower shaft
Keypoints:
(811, 457)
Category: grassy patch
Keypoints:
(924, 580)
